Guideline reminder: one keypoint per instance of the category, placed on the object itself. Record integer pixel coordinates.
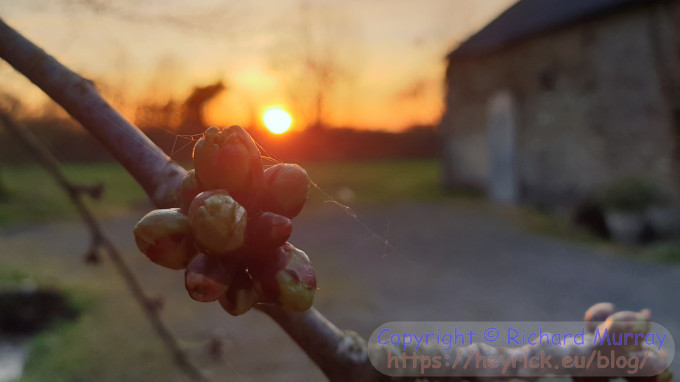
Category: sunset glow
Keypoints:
(365, 65)
(277, 120)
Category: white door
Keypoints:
(502, 184)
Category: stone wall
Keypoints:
(595, 102)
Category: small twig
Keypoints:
(99, 239)
(94, 191)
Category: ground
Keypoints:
(428, 259)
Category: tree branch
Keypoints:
(99, 239)
(341, 355)
(148, 164)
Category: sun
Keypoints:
(277, 120)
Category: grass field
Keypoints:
(34, 197)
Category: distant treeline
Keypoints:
(70, 143)
(67, 140)
(349, 144)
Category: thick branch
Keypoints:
(148, 164)
(342, 356)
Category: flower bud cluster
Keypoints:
(231, 230)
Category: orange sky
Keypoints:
(383, 58)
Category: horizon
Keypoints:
(369, 65)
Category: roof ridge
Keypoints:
(529, 17)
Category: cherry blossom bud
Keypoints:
(596, 314)
(623, 323)
(218, 222)
(267, 231)
(164, 237)
(241, 295)
(288, 279)
(227, 158)
(287, 186)
(207, 278)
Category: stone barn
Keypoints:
(556, 99)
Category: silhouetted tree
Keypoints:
(313, 57)
(193, 119)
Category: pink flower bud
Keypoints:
(288, 278)
(188, 190)
(622, 323)
(596, 314)
(207, 278)
(266, 231)
(164, 237)
(218, 222)
(227, 158)
(241, 295)
(287, 186)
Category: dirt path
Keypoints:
(442, 262)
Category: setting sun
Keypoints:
(277, 120)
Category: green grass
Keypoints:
(561, 227)
(11, 278)
(665, 252)
(109, 340)
(376, 182)
(85, 349)
(556, 225)
(33, 196)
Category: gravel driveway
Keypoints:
(440, 261)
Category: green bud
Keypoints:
(218, 222)
(287, 187)
(288, 279)
(164, 237)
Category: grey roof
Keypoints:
(529, 17)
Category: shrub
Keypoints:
(630, 194)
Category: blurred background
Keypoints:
(473, 160)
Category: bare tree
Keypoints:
(315, 53)
(193, 118)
